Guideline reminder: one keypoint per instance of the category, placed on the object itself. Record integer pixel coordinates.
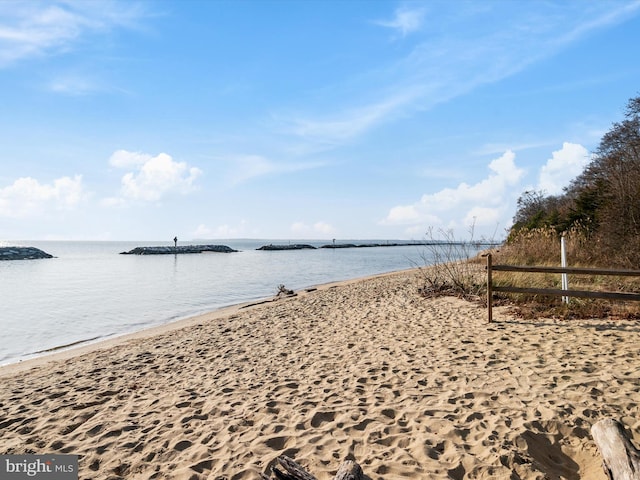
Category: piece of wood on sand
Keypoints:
(348, 470)
(620, 458)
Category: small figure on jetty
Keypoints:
(175, 242)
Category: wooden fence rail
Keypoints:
(554, 291)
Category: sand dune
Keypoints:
(410, 387)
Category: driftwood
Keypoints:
(349, 470)
(620, 458)
(284, 292)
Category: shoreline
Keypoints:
(98, 294)
(82, 347)
(363, 368)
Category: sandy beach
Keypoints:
(410, 387)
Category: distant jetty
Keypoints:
(369, 245)
(22, 253)
(294, 246)
(165, 250)
(305, 246)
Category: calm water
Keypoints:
(90, 292)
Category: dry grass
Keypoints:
(458, 270)
(541, 247)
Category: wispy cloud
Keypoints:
(405, 20)
(601, 18)
(247, 167)
(493, 148)
(343, 126)
(76, 85)
(495, 43)
(35, 28)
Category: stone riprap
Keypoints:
(304, 246)
(294, 246)
(168, 250)
(369, 245)
(22, 253)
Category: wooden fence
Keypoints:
(553, 291)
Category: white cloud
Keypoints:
(405, 20)
(304, 230)
(28, 197)
(35, 28)
(563, 166)
(154, 177)
(480, 205)
(483, 217)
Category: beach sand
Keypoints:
(410, 387)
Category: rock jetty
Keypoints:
(167, 250)
(370, 245)
(294, 246)
(22, 253)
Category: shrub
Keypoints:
(452, 267)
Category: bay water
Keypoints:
(89, 292)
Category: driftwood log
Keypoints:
(620, 458)
(349, 470)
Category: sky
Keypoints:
(300, 119)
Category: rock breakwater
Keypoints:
(305, 246)
(22, 253)
(168, 250)
(293, 246)
(370, 245)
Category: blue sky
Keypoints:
(300, 119)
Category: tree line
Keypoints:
(601, 206)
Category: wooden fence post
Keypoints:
(489, 292)
(563, 263)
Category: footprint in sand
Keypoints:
(182, 445)
(321, 417)
(276, 443)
